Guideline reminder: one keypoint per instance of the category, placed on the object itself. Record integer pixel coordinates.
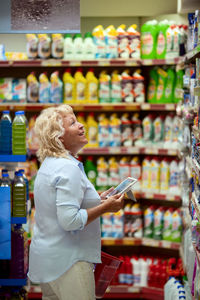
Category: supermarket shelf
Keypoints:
(191, 55)
(116, 292)
(196, 167)
(195, 131)
(159, 107)
(13, 282)
(140, 242)
(197, 91)
(158, 196)
(18, 220)
(12, 158)
(90, 63)
(196, 205)
(128, 150)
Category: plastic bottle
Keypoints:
(167, 227)
(158, 127)
(147, 124)
(92, 126)
(134, 41)
(68, 87)
(127, 220)
(176, 226)
(32, 88)
(137, 127)
(19, 134)
(127, 87)
(178, 90)
(152, 87)
(138, 87)
(99, 41)
(164, 175)
(155, 174)
(56, 88)
(114, 178)
(111, 42)
(126, 130)
(148, 39)
(136, 171)
(136, 221)
(91, 87)
(116, 95)
(146, 173)
(44, 45)
(148, 221)
(161, 43)
(118, 224)
(78, 47)
(168, 123)
(89, 48)
(173, 181)
(80, 87)
(103, 131)
(161, 87)
(143, 272)
(57, 46)
(26, 182)
(19, 196)
(32, 45)
(68, 47)
(104, 87)
(106, 225)
(91, 170)
(6, 133)
(102, 174)
(124, 168)
(158, 223)
(44, 88)
(123, 42)
(19, 253)
(170, 84)
(136, 271)
(115, 131)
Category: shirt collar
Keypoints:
(79, 164)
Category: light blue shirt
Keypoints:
(62, 193)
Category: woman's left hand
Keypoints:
(104, 194)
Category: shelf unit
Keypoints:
(27, 65)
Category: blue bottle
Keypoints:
(6, 133)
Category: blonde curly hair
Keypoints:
(48, 129)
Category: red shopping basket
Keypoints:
(105, 272)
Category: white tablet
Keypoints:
(123, 187)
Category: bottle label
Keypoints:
(147, 43)
(160, 43)
(68, 91)
(93, 90)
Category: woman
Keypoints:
(66, 240)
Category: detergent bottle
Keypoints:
(176, 226)
(167, 227)
(149, 221)
(56, 88)
(68, 47)
(146, 173)
(99, 41)
(103, 131)
(116, 91)
(152, 86)
(78, 46)
(136, 171)
(111, 42)
(158, 127)
(32, 88)
(162, 81)
(44, 88)
(92, 127)
(80, 87)
(148, 39)
(68, 87)
(104, 87)
(127, 87)
(134, 41)
(178, 90)
(44, 45)
(89, 48)
(169, 90)
(114, 178)
(147, 125)
(102, 174)
(155, 175)
(124, 168)
(158, 223)
(126, 130)
(115, 131)
(138, 87)
(91, 170)
(91, 87)
(57, 45)
(161, 44)
(123, 42)
(32, 45)
(164, 175)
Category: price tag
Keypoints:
(145, 106)
(75, 63)
(51, 62)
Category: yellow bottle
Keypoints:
(68, 87)
(81, 119)
(114, 178)
(91, 87)
(92, 126)
(80, 87)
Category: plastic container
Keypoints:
(19, 134)
(19, 196)
(5, 133)
(105, 272)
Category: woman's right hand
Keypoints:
(114, 203)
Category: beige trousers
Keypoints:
(75, 284)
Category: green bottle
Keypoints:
(91, 170)
(169, 90)
(161, 43)
(19, 134)
(148, 40)
(178, 95)
(162, 80)
(153, 82)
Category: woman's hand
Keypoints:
(104, 194)
(114, 203)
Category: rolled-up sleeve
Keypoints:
(69, 197)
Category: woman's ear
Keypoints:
(62, 139)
